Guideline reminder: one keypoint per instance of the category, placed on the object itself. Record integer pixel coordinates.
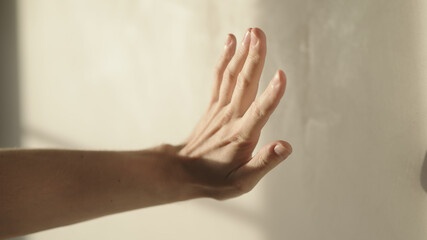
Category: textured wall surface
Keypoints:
(132, 74)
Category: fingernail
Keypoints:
(247, 38)
(276, 80)
(281, 150)
(228, 41)
(254, 39)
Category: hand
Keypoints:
(220, 147)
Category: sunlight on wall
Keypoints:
(111, 75)
(126, 75)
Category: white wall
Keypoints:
(131, 74)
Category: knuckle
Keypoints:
(254, 58)
(263, 161)
(229, 74)
(217, 71)
(242, 141)
(226, 115)
(257, 112)
(244, 81)
(239, 138)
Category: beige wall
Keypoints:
(131, 74)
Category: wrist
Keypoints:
(171, 176)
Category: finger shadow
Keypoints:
(423, 177)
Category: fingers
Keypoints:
(233, 69)
(260, 110)
(248, 79)
(227, 55)
(264, 161)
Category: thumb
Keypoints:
(265, 160)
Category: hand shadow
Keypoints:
(423, 178)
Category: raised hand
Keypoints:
(220, 147)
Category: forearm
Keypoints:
(41, 189)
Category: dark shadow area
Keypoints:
(423, 178)
(9, 74)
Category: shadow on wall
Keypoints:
(9, 91)
(424, 174)
(348, 61)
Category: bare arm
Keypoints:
(42, 189)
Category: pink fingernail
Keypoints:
(276, 80)
(254, 39)
(228, 41)
(247, 38)
(281, 151)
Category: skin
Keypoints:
(43, 189)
